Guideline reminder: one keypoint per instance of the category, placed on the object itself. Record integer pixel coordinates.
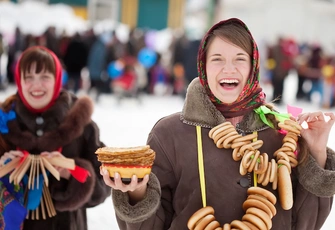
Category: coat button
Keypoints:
(39, 132)
(244, 182)
(39, 120)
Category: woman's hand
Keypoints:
(8, 156)
(63, 172)
(136, 190)
(316, 133)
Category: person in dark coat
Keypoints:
(75, 59)
(97, 65)
(48, 122)
(214, 158)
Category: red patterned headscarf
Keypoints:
(251, 96)
(58, 79)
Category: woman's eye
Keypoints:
(46, 77)
(216, 59)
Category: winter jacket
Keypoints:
(67, 125)
(174, 194)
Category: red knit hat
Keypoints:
(58, 79)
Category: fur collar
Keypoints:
(199, 110)
(66, 121)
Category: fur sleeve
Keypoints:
(142, 210)
(71, 195)
(316, 180)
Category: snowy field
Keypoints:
(128, 124)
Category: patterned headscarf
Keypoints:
(251, 96)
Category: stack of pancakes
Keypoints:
(127, 161)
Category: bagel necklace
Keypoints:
(260, 204)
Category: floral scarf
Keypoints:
(251, 96)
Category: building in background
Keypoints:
(148, 14)
(302, 20)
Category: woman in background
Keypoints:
(47, 121)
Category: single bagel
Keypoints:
(237, 155)
(290, 145)
(258, 222)
(282, 155)
(247, 158)
(275, 182)
(263, 192)
(249, 137)
(249, 203)
(286, 163)
(285, 188)
(212, 225)
(259, 167)
(239, 225)
(289, 128)
(271, 211)
(266, 179)
(264, 164)
(293, 123)
(261, 214)
(210, 134)
(218, 228)
(228, 142)
(220, 141)
(254, 160)
(250, 225)
(289, 135)
(282, 149)
(203, 222)
(293, 161)
(257, 144)
(222, 132)
(238, 144)
(226, 227)
(243, 171)
(274, 169)
(198, 215)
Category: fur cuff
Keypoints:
(76, 194)
(143, 209)
(316, 180)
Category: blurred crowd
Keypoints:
(102, 63)
(314, 68)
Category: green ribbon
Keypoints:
(263, 110)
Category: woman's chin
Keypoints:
(227, 99)
(37, 105)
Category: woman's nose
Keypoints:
(229, 67)
(37, 81)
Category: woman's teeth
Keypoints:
(229, 81)
(37, 93)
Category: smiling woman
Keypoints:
(36, 79)
(45, 124)
(227, 128)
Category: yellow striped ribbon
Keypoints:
(255, 175)
(201, 167)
